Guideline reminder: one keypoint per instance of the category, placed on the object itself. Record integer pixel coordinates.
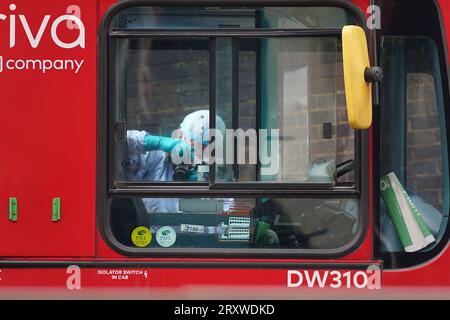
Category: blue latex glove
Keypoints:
(193, 176)
(165, 144)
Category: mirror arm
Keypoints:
(373, 74)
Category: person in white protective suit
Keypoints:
(150, 156)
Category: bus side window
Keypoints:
(414, 137)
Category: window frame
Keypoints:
(212, 35)
(107, 189)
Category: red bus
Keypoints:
(223, 149)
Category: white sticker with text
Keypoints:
(192, 228)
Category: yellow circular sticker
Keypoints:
(141, 237)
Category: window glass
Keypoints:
(277, 100)
(280, 112)
(243, 17)
(159, 82)
(261, 223)
(414, 139)
(423, 138)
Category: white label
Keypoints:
(166, 237)
(192, 228)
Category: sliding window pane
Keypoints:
(161, 88)
(284, 111)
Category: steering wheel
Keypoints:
(345, 167)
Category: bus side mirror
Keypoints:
(358, 77)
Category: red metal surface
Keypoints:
(433, 274)
(363, 252)
(48, 143)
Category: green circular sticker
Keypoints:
(141, 237)
(166, 237)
